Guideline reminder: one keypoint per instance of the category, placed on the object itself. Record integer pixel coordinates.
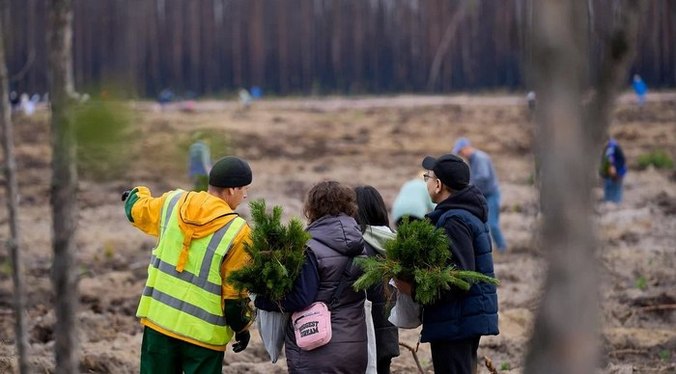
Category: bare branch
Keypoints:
(415, 356)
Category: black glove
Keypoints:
(241, 341)
(238, 314)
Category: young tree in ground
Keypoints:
(64, 185)
(12, 206)
(565, 337)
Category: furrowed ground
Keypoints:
(293, 144)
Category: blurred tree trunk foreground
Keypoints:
(12, 205)
(565, 335)
(64, 185)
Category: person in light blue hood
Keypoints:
(375, 226)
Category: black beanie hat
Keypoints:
(450, 169)
(230, 171)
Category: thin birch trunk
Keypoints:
(13, 209)
(64, 186)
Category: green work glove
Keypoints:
(238, 314)
(241, 341)
(129, 201)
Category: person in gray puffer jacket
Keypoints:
(375, 226)
(336, 239)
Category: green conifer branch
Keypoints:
(277, 254)
(420, 252)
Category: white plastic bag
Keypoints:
(272, 328)
(372, 367)
(406, 313)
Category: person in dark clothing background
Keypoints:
(613, 169)
(375, 226)
(454, 324)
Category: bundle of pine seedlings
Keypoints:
(277, 254)
(419, 253)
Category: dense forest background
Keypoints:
(312, 46)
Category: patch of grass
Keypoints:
(5, 268)
(505, 366)
(665, 355)
(108, 250)
(659, 158)
(641, 283)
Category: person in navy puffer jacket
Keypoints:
(454, 324)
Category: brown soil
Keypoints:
(292, 144)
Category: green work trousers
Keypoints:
(161, 354)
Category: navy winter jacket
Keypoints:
(460, 315)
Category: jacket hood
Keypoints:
(200, 214)
(376, 236)
(340, 233)
(469, 199)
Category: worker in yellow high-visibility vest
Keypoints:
(188, 310)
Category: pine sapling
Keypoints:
(277, 254)
(420, 252)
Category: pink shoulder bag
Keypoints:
(312, 325)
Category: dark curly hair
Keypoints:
(329, 198)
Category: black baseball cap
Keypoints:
(230, 171)
(450, 169)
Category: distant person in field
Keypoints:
(412, 201)
(14, 101)
(375, 226)
(640, 88)
(27, 105)
(484, 177)
(189, 311)
(165, 97)
(245, 98)
(613, 169)
(199, 162)
(530, 97)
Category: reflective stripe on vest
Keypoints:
(188, 303)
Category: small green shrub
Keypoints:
(505, 366)
(102, 133)
(641, 283)
(659, 158)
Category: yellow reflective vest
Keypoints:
(185, 301)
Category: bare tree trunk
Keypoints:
(13, 208)
(620, 48)
(64, 185)
(565, 338)
(565, 334)
(445, 43)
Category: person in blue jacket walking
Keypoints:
(640, 88)
(484, 177)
